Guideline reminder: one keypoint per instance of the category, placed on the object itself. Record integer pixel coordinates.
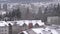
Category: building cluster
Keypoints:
(39, 11)
(12, 27)
(15, 27)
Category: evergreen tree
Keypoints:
(14, 14)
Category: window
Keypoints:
(5, 30)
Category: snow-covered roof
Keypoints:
(54, 31)
(3, 23)
(25, 32)
(31, 21)
(46, 30)
(21, 22)
(40, 30)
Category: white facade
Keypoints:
(53, 20)
(3, 28)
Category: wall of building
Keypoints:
(4, 30)
(53, 20)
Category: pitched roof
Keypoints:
(24, 24)
(36, 24)
(3, 24)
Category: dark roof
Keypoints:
(36, 24)
(9, 24)
(24, 24)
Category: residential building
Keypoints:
(4, 28)
(24, 27)
(36, 25)
(53, 20)
(15, 28)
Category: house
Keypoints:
(24, 26)
(15, 28)
(4, 28)
(53, 20)
(36, 25)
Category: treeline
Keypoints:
(11, 16)
(17, 14)
(53, 10)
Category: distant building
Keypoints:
(53, 20)
(5, 7)
(2, 12)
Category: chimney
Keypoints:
(30, 25)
